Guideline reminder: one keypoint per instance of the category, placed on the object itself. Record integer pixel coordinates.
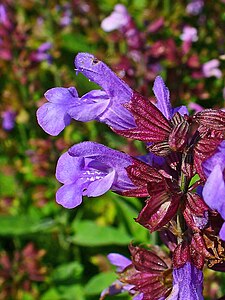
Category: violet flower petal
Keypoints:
(95, 150)
(8, 120)
(214, 190)
(119, 260)
(69, 196)
(187, 282)
(100, 73)
(162, 95)
(61, 95)
(90, 169)
(90, 106)
(181, 109)
(222, 232)
(108, 157)
(53, 116)
(101, 186)
(218, 158)
(115, 288)
(64, 172)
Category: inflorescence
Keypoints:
(182, 178)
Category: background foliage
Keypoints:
(46, 251)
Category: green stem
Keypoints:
(180, 226)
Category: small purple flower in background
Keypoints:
(156, 25)
(8, 120)
(189, 34)
(121, 20)
(66, 18)
(195, 107)
(211, 68)
(4, 19)
(41, 54)
(3, 15)
(117, 20)
(187, 283)
(91, 169)
(195, 7)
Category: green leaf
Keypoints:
(128, 213)
(99, 282)
(90, 234)
(194, 179)
(8, 185)
(64, 292)
(27, 296)
(71, 292)
(140, 4)
(19, 225)
(51, 294)
(71, 271)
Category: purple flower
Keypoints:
(187, 283)
(121, 20)
(105, 106)
(210, 68)
(217, 159)
(121, 262)
(189, 34)
(195, 107)
(41, 54)
(118, 260)
(117, 20)
(195, 7)
(66, 18)
(214, 188)
(3, 15)
(118, 92)
(90, 169)
(8, 120)
(4, 19)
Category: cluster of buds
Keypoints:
(181, 177)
